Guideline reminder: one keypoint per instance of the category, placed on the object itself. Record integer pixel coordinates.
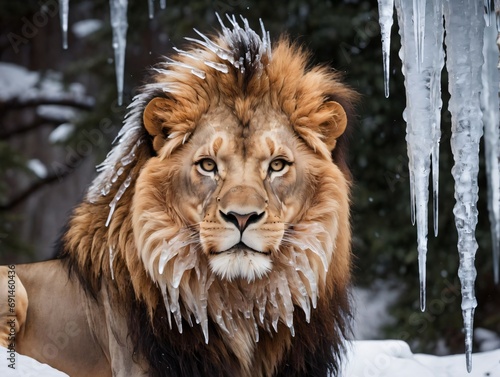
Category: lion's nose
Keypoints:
(241, 221)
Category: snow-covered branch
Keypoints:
(78, 102)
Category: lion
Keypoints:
(215, 239)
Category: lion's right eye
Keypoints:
(208, 165)
(277, 165)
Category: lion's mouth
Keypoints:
(240, 261)
(240, 247)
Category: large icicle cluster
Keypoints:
(473, 87)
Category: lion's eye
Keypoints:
(277, 165)
(207, 165)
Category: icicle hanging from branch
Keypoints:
(118, 9)
(422, 67)
(490, 104)
(63, 15)
(464, 41)
(385, 10)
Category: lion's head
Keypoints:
(223, 193)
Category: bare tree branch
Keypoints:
(50, 179)
(4, 135)
(84, 103)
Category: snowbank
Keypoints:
(393, 358)
(25, 366)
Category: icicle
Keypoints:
(63, 15)
(464, 42)
(222, 324)
(491, 119)
(497, 14)
(106, 189)
(304, 302)
(119, 25)
(261, 306)
(286, 299)
(487, 11)
(210, 45)
(302, 264)
(175, 307)
(218, 66)
(187, 54)
(181, 264)
(166, 254)
(151, 9)
(385, 11)
(203, 300)
(163, 4)
(117, 197)
(422, 67)
(307, 237)
(266, 39)
(130, 157)
(255, 328)
(419, 29)
(164, 293)
(201, 74)
(204, 327)
(111, 259)
(435, 51)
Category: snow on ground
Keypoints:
(371, 309)
(366, 358)
(24, 366)
(393, 358)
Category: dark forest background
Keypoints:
(79, 83)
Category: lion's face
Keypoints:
(242, 190)
(239, 188)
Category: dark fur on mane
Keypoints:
(316, 349)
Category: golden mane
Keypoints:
(239, 69)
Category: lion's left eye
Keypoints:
(277, 165)
(208, 165)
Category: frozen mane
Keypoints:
(241, 47)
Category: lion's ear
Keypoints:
(154, 118)
(336, 124)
